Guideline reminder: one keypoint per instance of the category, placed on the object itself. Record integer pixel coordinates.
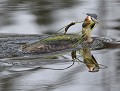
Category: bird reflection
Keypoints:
(90, 60)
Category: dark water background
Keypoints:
(47, 16)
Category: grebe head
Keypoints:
(93, 17)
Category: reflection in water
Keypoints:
(90, 61)
(42, 9)
(102, 16)
(75, 78)
(116, 27)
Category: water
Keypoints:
(47, 16)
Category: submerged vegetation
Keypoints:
(44, 46)
(58, 42)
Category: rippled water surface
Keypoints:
(37, 17)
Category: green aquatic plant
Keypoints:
(58, 42)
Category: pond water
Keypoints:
(47, 16)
